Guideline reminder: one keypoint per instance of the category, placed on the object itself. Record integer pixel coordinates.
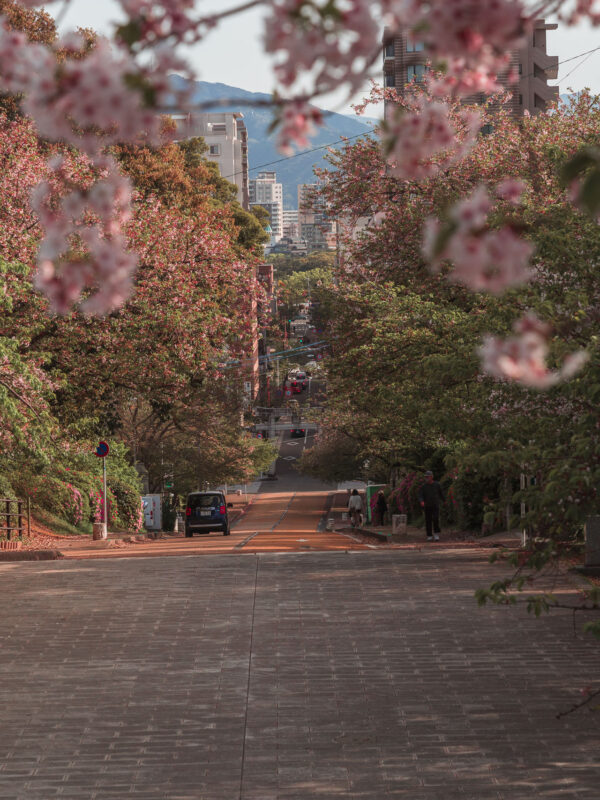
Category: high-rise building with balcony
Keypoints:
(405, 60)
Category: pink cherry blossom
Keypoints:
(583, 9)
(422, 140)
(511, 190)
(298, 122)
(484, 259)
(473, 28)
(522, 358)
(333, 44)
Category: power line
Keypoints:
(297, 155)
(366, 133)
(588, 55)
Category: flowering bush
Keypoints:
(126, 510)
(74, 506)
(405, 497)
(48, 493)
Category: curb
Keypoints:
(30, 555)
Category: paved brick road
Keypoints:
(286, 677)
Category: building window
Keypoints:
(520, 99)
(414, 47)
(415, 72)
(520, 69)
(388, 51)
(486, 130)
(389, 80)
(214, 150)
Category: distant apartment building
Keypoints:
(227, 139)
(317, 229)
(405, 60)
(251, 366)
(290, 223)
(266, 192)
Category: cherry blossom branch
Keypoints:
(239, 10)
(61, 14)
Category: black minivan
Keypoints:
(206, 512)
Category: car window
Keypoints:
(204, 500)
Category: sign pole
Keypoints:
(101, 528)
(105, 498)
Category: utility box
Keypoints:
(592, 542)
(399, 525)
(151, 503)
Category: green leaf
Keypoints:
(129, 33)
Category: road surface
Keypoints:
(288, 514)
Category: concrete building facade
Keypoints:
(317, 228)
(227, 139)
(290, 223)
(265, 191)
(405, 60)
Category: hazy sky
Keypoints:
(233, 53)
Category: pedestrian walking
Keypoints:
(430, 497)
(355, 508)
(381, 506)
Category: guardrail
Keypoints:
(15, 519)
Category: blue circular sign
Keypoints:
(102, 450)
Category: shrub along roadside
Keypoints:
(66, 494)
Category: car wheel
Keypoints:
(188, 534)
(226, 532)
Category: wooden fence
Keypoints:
(16, 515)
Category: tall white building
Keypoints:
(227, 139)
(266, 192)
(290, 222)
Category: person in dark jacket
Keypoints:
(381, 506)
(430, 497)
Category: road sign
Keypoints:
(102, 450)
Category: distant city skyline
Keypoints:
(224, 56)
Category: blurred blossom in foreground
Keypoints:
(522, 358)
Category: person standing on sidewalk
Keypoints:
(355, 508)
(430, 497)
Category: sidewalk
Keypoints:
(382, 535)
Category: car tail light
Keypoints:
(222, 509)
(188, 512)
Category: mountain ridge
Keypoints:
(262, 148)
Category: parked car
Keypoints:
(297, 433)
(206, 512)
(295, 386)
(302, 379)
